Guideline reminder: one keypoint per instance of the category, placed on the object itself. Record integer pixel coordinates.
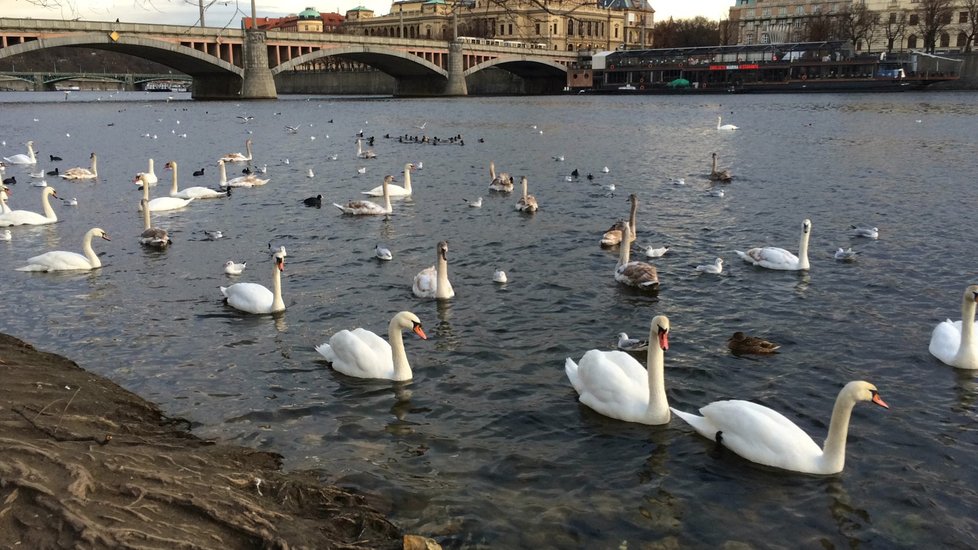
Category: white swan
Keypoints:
(21, 158)
(160, 204)
(779, 258)
(527, 203)
(715, 268)
(637, 274)
(249, 180)
(192, 192)
(80, 173)
(255, 298)
(368, 154)
(725, 126)
(149, 176)
(60, 260)
(953, 342)
(502, 183)
(4, 209)
(26, 217)
(433, 282)
(238, 157)
(363, 354)
(395, 190)
(367, 208)
(612, 236)
(614, 384)
(152, 236)
(766, 437)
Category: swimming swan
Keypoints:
(363, 354)
(160, 204)
(60, 260)
(779, 258)
(637, 274)
(149, 176)
(502, 183)
(614, 384)
(766, 437)
(21, 158)
(238, 157)
(255, 298)
(953, 342)
(527, 203)
(612, 236)
(723, 176)
(80, 173)
(197, 192)
(249, 180)
(395, 190)
(152, 236)
(433, 282)
(26, 217)
(725, 126)
(367, 208)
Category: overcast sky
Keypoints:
(229, 12)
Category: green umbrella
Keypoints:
(679, 83)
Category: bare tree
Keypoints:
(895, 28)
(934, 16)
(819, 28)
(857, 23)
(971, 31)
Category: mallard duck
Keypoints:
(741, 344)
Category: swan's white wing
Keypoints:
(759, 434)
(945, 341)
(614, 384)
(160, 204)
(199, 193)
(770, 257)
(250, 297)
(425, 283)
(57, 260)
(362, 354)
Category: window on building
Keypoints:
(946, 18)
(911, 42)
(616, 30)
(511, 29)
(945, 40)
(555, 28)
(570, 27)
(893, 18)
(783, 11)
(538, 29)
(914, 19)
(502, 29)
(570, 47)
(589, 29)
(800, 10)
(749, 38)
(963, 17)
(962, 40)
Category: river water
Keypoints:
(488, 446)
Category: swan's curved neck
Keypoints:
(145, 191)
(407, 178)
(95, 165)
(834, 450)
(30, 152)
(224, 174)
(625, 253)
(632, 216)
(89, 251)
(526, 190)
(803, 249)
(402, 369)
(492, 170)
(715, 160)
(387, 198)
(248, 148)
(175, 187)
(967, 350)
(278, 304)
(658, 408)
(718, 122)
(146, 221)
(46, 204)
(441, 288)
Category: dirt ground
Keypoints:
(87, 464)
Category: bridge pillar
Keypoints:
(456, 71)
(38, 82)
(130, 83)
(258, 82)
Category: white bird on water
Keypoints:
(715, 268)
(310, 174)
(631, 344)
(477, 203)
(214, 235)
(867, 231)
(499, 276)
(383, 253)
(232, 268)
(5, 235)
(845, 254)
(653, 252)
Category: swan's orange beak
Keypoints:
(663, 339)
(419, 331)
(879, 401)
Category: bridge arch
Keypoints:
(181, 58)
(521, 66)
(388, 60)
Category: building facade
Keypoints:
(567, 25)
(896, 25)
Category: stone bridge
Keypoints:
(236, 64)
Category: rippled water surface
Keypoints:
(488, 446)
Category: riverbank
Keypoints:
(84, 461)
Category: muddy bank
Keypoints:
(87, 464)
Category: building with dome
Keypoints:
(308, 20)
